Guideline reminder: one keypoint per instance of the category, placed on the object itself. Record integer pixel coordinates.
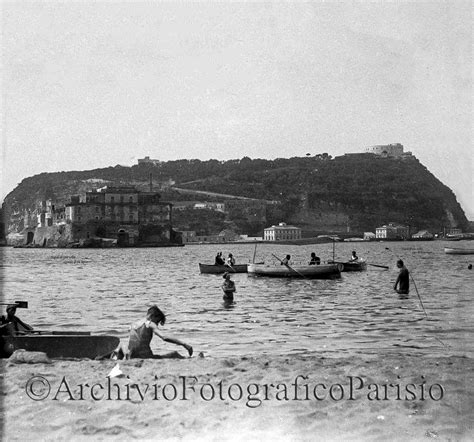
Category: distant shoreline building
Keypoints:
(109, 216)
(392, 231)
(281, 232)
(124, 213)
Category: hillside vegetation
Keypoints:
(353, 192)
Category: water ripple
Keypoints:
(106, 290)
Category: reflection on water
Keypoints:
(106, 290)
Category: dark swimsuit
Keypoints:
(139, 343)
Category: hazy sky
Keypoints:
(88, 85)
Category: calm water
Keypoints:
(104, 290)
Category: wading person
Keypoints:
(228, 287)
(403, 279)
(142, 331)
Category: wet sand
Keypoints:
(386, 397)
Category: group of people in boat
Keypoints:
(220, 261)
(316, 260)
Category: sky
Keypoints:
(88, 85)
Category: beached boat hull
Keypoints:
(456, 251)
(214, 268)
(59, 345)
(325, 271)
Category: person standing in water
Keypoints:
(403, 279)
(228, 287)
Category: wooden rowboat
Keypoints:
(60, 344)
(458, 251)
(352, 266)
(214, 268)
(324, 271)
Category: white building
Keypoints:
(392, 231)
(281, 232)
(423, 234)
(386, 150)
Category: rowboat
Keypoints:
(458, 251)
(215, 268)
(324, 271)
(72, 344)
(352, 266)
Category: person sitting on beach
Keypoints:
(219, 260)
(403, 279)
(228, 287)
(142, 331)
(286, 260)
(315, 260)
(354, 256)
(12, 324)
(230, 260)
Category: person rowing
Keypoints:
(403, 279)
(314, 260)
(354, 257)
(230, 260)
(12, 324)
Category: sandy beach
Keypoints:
(389, 397)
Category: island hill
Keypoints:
(344, 195)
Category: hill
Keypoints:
(348, 193)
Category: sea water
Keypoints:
(105, 290)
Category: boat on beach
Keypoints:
(215, 268)
(458, 251)
(323, 271)
(58, 344)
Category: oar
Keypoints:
(419, 297)
(19, 304)
(254, 252)
(296, 271)
(228, 265)
(378, 265)
(53, 332)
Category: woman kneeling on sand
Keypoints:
(141, 333)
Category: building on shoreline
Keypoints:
(123, 213)
(281, 232)
(392, 231)
(105, 217)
